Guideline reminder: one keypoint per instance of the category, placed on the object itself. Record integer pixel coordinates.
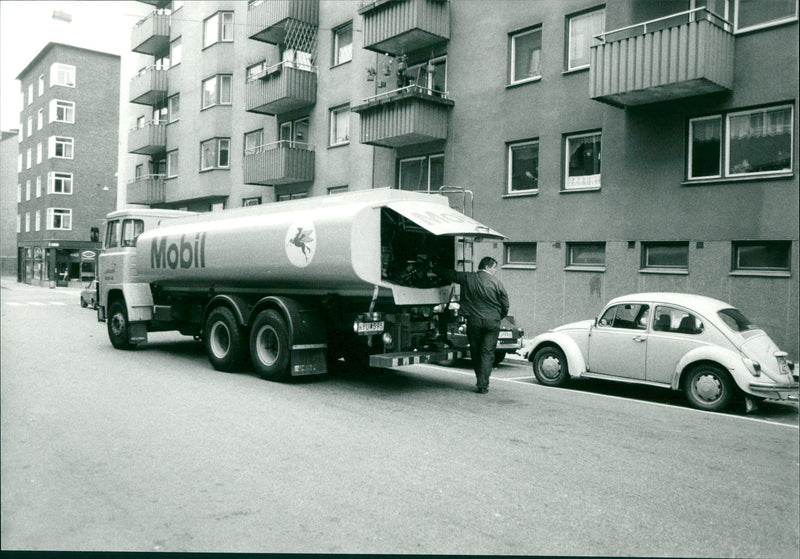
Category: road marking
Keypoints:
(36, 303)
(671, 406)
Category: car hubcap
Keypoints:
(708, 388)
(267, 346)
(220, 340)
(550, 367)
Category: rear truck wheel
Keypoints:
(498, 357)
(118, 326)
(708, 387)
(224, 342)
(550, 366)
(269, 346)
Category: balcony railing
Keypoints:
(148, 139)
(149, 86)
(280, 88)
(268, 20)
(401, 26)
(282, 162)
(147, 189)
(405, 116)
(151, 34)
(681, 55)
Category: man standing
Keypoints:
(484, 303)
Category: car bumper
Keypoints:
(509, 346)
(772, 392)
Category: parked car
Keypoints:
(89, 295)
(509, 341)
(703, 346)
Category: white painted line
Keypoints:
(670, 406)
(36, 303)
(516, 378)
(13, 304)
(59, 303)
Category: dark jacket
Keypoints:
(482, 294)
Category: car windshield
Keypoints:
(735, 320)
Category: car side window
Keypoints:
(631, 316)
(112, 234)
(677, 321)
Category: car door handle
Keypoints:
(639, 339)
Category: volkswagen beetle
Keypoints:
(703, 346)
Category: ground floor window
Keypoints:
(761, 256)
(665, 256)
(255, 201)
(586, 255)
(520, 254)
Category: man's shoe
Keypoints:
(482, 390)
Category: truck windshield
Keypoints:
(735, 320)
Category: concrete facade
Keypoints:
(9, 142)
(643, 200)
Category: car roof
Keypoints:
(700, 303)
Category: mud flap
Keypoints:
(309, 360)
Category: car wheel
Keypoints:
(118, 326)
(498, 357)
(83, 303)
(224, 341)
(93, 304)
(708, 387)
(269, 346)
(550, 366)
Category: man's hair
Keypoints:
(487, 262)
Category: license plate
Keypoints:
(506, 335)
(367, 327)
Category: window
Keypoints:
(62, 111)
(37, 221)
(586, 255)
(28, 157)
(253, 142)
(112, 234)
(19, 224)
(174, 108)
(757, 142)
(27, 189)
(30, 94)
(27, 222)
(668, 256)
(294, 131)
(30, 126)
(62, 74)
(340, 126)
(582, 28)
(343, 44)
(131, 229)
(756, 14)
(41, 85)
(218, 28)
(38, 187)
(217, 91)
(292, 196)
(60, 147)
(583, 161)
(520, 254)
(526, 56)
(19, 193)
(39, 119)
(424, 173)
(59, 218)
(20, 162)
(761, 256)
(628, 316)
(38, 153)
(337, 190)
(255, 201)
(676, 321)
(214, 154)
(523, 167)
(59, 183)
(160, 114)
(172, 164)
(431, 75)
(176, 51)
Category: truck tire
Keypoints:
(224, 341)
(118, 326)
(269, 346)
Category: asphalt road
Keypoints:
(152, 450)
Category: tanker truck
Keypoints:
(291, 287)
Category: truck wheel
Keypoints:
(118, 326)
(708, 387)
(269, 346)
(550, 366)
(224, 342)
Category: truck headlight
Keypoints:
(387, 339)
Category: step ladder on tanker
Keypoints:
(461, 199)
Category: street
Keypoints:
(153, 450)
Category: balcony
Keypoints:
(149, 86)
(148, 189)
(284, 87)
(410, 115)
(397, 27)
(151, 34)
(148, 139)
(682, 55)
(270, 20)
(282, 162)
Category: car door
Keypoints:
(618, 342)
(674, 333)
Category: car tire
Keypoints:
(550, 366)
(709, 387)
(498, 357)
(83, 303)
(269, 346)
(224, 341)
(118, 327)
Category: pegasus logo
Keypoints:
(301, 244)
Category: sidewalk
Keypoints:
(11, 283)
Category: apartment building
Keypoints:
(8, 202)
(621, 146)
(66, 163)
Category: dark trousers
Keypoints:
(482, 335)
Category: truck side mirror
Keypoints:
(94, 235)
